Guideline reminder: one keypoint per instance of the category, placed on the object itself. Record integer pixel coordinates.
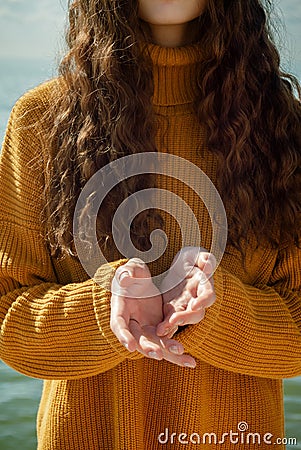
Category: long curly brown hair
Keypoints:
(246, 103)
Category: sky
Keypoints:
(33, 29)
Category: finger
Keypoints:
(182, 360)
(125, 278)
(120, 328)
(139, 268)
(151, 345)
(119, 323)
(147, 346)
(170, 349)
(172, 331)
(124, 275)
(201, 291)
(187, 317)
(134, 268)
(169, 345)
(169, 332)
(173, 352)
(205, 297)
(164, 327)
(203, 302)
(207, 263)
(179, 304)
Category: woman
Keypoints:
(201, 82)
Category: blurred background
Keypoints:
(31, 44)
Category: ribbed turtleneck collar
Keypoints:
(175, 75)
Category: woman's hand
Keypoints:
(136, 310)
(187, 289)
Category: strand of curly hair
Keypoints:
(245, 102)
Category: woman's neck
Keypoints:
(173, 35)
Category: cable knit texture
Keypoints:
(55, 320)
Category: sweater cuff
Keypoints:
(101, 292)
(193, 336)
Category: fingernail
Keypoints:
(190, 365)
(123, 275)
(174, 349)
(153, 355)
(125, 345)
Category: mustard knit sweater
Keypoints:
(54, 319)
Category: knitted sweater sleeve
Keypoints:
(47, 330)
(253, 330)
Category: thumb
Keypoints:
(124, 276)
(131, 271)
